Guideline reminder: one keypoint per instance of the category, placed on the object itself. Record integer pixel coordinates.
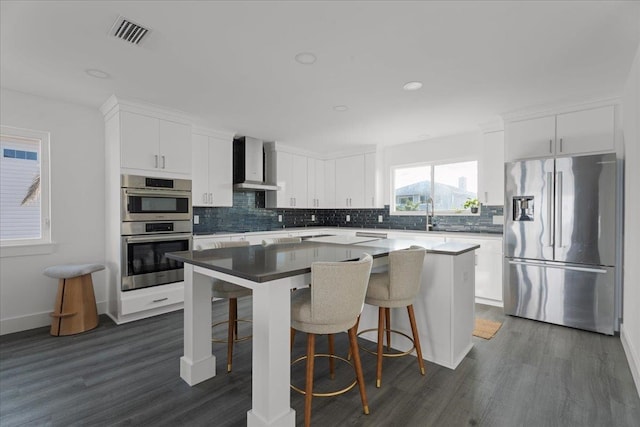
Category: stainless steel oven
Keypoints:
(155, 219)
(155, 199)
(144, 245)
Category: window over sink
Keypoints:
(448, 185)
(24, 187)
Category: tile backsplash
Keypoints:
(244, 216)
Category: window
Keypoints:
(24, 187)
(448, 185)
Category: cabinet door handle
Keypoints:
(164, 162)
(156, 159)
(561, 145)
(486, 197)
(204, 197)
(161, 299)
(211, 198)
(373, 203)
(551, 146)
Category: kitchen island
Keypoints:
(271, 271)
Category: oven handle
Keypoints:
(156, 193)
(164, 237)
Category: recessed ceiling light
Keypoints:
(305, 58)
(98, 74)
(412, 86)
(340, 108)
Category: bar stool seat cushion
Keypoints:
(68, 271)
(222, 289)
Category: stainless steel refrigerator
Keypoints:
(560, 245)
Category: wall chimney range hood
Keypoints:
(248, 165)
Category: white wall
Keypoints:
(77, 206)
(630, 329)
(454, 147)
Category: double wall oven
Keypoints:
(155, 219)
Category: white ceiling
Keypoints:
(232, 63)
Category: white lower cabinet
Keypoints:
(147, 300)
(488, 268)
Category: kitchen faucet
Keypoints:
(429, 222)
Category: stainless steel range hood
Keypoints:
(248, 166)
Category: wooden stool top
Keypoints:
(68, 271)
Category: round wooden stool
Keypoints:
(75, 310)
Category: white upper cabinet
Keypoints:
(329, 184)
(530, 138)
(370, 182)
(579, 132)
(212, 178)
(290, 172)
(586, 131)
(153, 144)
(316, 183)
(350, 177)
(491, 191)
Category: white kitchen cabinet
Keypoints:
(587, 131)
(371, 199)
(153, 144)
(488, 268)
(316, 183)
(330, 183)
(530, 138)
(578, 132)
(350, 182)
(491, 191)
(212, 178)
(290, 172)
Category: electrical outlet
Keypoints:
(313, 217)
(196, 219)
(379, 218)
(279, 218)
(348, 218)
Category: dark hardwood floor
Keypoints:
(529, 374)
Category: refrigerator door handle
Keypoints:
(563, 267)
(550, 209)
(559, 207)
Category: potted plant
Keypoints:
(474, 204)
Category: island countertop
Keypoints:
(260, 263)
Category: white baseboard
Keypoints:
(487, 301)
(34, 320)
(632, 357)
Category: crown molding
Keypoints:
(557, 108)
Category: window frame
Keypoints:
(17, 247)
(432, 165)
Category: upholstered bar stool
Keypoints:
(230, 291)
(75, 308)
(395, 288)
(332, 304)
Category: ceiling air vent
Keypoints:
(128, 31)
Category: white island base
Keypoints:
(444, 310)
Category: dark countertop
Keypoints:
(314, 229)
(450, 248)
(264, 263)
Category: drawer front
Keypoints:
(150, 301)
